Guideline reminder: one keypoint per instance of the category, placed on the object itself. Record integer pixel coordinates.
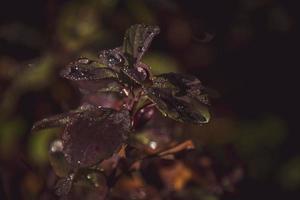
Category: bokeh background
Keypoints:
(245, 50)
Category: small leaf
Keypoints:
(52, 122)
(137, 40)
(94, 136)
(59, 120)
(93, 80)
(85, 69)
(180, 97)
(98, 86)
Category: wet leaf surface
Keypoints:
(180, 97)
(52, 122)
(85, 69)
(95, 135)
(140, 74)
(60, 120)
(137, 40)
(112, 58)
(91, 77)
(98, 86)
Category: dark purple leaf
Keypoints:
(92, 78)
(84, 69)
(137, 40)
(95, 135)
(139, 74)
(180, 97)
(112, 58)
(52, 122)
(59, 120)
(99, 86)
(127, 59)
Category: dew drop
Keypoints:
(141, 49)
(114, 59)
(125, 91)
(71, 176)
(56, 146)
(83, 60)
(142, 73)
(180, 107)
(153, 145)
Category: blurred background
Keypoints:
(246, 50)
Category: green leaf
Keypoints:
(137, 40)
(180, 97)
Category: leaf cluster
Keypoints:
(120, 96)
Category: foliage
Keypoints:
(101, 142)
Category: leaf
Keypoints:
(139, 74)
(52, 122)
(137, 40)
(112, 58)
(111, 99)
(99, 86)
(95, 135)
(180, 97)
(85, 69)
(59, 120)
(182, 84)
(91, 133)
(127, 59)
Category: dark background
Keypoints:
(246, 50)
